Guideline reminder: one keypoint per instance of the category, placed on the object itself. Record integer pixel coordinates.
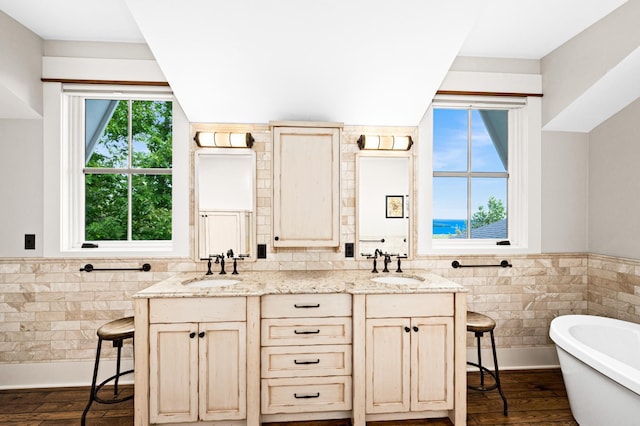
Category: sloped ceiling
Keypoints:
(376, 62)
(358, 62)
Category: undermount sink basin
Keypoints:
(390, 279)
(212, 282)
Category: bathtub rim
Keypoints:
(616, 370)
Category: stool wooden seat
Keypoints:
(479, 324)
(115, 331)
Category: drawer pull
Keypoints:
(295, 361)
(307, 396)
(307, 332)
(317, 305)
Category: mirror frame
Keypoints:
(196, 201)
(411, 203)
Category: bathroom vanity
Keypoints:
(301, 345)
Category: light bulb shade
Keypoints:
(224, 140)
(385, 143)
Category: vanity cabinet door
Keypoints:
(387, 365)
(409, 364)
(173, 379)
(306, 183)
(197, 372)
(222, 356)
(432, 363)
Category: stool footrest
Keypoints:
(489, 372)
(113, 400)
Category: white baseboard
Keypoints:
(79, 373)
(517, 358)
(59, 374)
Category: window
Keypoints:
(127, 173)
(479, 182)
(118, 149)
(470, 173)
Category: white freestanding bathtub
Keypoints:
(600, 363)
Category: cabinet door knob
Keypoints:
(277, 238)
(407, 329)
(192, 335)
(201, 334)
(415, 328)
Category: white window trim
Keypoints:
(64, 179)
(524, 189)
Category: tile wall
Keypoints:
(50, 311)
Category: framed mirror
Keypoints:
(225, 188)
(383, 202)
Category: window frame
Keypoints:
(523, 187)
(72, 178)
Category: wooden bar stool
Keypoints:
(480, 324)
(115, 331)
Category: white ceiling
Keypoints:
(355, 61)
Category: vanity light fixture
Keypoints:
(388, 143)
(224, 140)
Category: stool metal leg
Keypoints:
(497, 373)
(93, 384)
(478, 336)
(118, 344)
(484, 370)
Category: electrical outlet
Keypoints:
(348, 249)
(262, 251)
(29, 241)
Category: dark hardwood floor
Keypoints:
(535, 397)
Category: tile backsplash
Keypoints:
(50, 311)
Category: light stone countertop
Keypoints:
(197, 284)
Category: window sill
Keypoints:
(478, 248)
(119, 250)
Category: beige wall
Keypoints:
(565, 171)
(21, 160)
(614, 185)
(20, 68)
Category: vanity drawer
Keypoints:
(300, 395)
(199, 309)
(306, 305)
(305, 361)
(305, 331)
(409, 305)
